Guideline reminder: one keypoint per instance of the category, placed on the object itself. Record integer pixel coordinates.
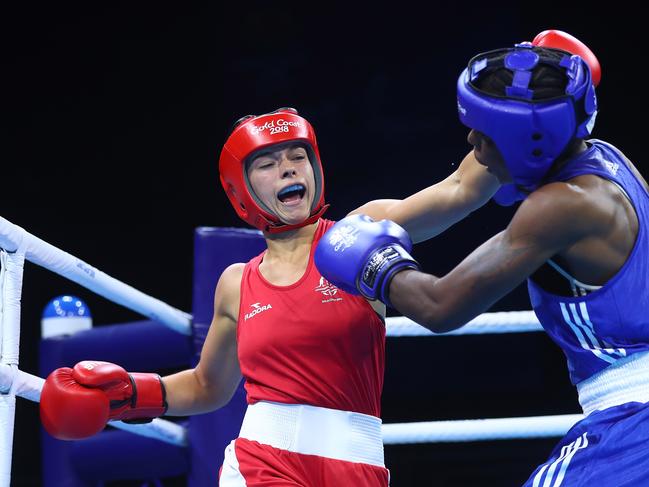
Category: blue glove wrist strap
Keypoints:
(381, 267)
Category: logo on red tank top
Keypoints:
(328, 289)
(256, 309)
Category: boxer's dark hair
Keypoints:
(547, 81)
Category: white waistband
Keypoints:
(311, 430)
(626, 380)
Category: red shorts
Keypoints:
(249, 463)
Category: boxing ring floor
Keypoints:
(423, 381)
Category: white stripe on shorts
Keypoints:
(562, 463)
(230, 473)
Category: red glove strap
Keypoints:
(149, 398)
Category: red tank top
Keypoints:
(310, 342)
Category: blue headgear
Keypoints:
(530, 134)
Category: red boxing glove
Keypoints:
(562, 40)
(77, 403)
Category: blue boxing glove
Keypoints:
(361, 256)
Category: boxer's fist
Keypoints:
(360, 255)
(562, 40)
(77, 403)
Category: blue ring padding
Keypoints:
(214, 250)
(117, 455)
(138, 346)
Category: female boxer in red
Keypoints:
(312, 356)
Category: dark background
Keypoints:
(114, 115)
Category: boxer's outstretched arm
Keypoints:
(551, 219)
(77, 402)
(213, 382)
(434, 209)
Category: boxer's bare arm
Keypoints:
(432, 210)
(550, 220)
(215, 379)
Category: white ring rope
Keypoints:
(479, 429)
(158, 429)
(20, 383)
(52, 258)
(501, 322)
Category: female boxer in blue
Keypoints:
(579, 237)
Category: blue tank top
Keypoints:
(596, 330)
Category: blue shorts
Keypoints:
(607, 448)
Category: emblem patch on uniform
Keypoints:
(329, 290)
(256, 309)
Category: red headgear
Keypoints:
(256, 132)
